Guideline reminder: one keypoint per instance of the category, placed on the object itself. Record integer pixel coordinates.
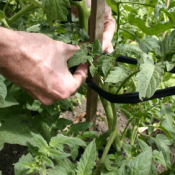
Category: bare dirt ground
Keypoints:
(11, 153)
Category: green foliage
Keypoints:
(145, 31)
(87, 161)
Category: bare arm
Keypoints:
(38, 65)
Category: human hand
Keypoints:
(38, 65)
(109, 28)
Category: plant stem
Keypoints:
(5, 23)
(114, 126)
(124, 132)
(118, 19)
(6, 5)
(21, 3)
(108, 111)
(83, 13)
(137, 3)
(108, 145)
(21, 13)
(125, 80)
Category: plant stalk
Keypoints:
(21, 3)
(21, 13)
(118, 19)
(108, 111)
(83, 13)
(108, 145)
(125, 80)
(114, 126)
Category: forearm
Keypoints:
(9, 46)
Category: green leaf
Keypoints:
(60, 140)
(56, 9)
(14, 131)
(62, 123)
(9, 101)
(68, 38)
(128, 149)
(2, 15)
(93, 69)
(167, 46)
(163, 143)
(66, 164)
(163, 7)
(107, 65)
(83, 35)
(79, 127)
(88, 134)
(48, 162)
(117, 75)
(143, 145)
(141, 164)
(56, 154)
(172, 4)
(80, 56)
(40, 143)
(35, 2)
(20, 170)
(169, 66)
(153, 170)
(158, 9)
(158, 157)
(148, 44)
(87, 161)
(35, 105)
(129, 9)
(74, 152)
(58, 170)
(128, 50)
(149, 78)
(96, 48)
(160, 28)
(139, 23)
(167, 121)
(34, 28)
(112, 5)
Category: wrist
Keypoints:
(9, 46)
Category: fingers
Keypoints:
(109, 29)
(80, 75)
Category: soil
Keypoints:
(11, 153)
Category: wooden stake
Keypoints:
(96, 32)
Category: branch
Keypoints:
(21, 13)
(21, 3)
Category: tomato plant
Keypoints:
(145, 31)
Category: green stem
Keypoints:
(5, 23)
(105, 152)
(6, 5)
(118, 19)
(114, 126)
(44, 171)
(125, 130)
(83, 13)
(125, 80)
(108, 111)
(137, 3)
(21, 3)
(21, 13)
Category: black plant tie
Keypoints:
(129, 97)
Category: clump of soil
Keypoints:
(11, 153)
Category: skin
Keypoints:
(109, 28)
(38, 64)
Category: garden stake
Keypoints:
(96, 32)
